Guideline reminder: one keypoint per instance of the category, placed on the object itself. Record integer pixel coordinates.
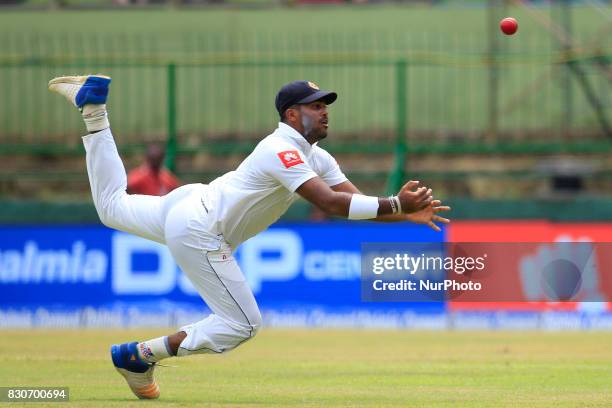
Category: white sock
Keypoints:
(154, 350)
(95, 117)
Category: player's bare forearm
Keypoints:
(335, 201)
(339, 200)
(384, 205)
(392, 218)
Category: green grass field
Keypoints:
(330, 368)
(447, 77)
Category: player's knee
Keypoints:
(107, 219)
(107, 210)
(104, 217)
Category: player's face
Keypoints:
(314, 120)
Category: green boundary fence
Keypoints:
(164, 96)
(28, 212)
(402, 91)
(226, 81)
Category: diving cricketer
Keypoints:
(203, 224)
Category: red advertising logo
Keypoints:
(290, 158)
(519, 273)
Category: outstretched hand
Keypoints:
(428, 215)
(413, 201)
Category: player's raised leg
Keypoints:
(137, 214)
(172, 219)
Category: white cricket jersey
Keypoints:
(248, 200)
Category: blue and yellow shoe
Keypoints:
(137, 373)
(82, 90)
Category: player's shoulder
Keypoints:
(266, 153)
(277, 154)
(274, 144)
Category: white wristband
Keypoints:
(363, 207)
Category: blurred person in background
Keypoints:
(151, 178)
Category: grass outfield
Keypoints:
(330, 368)
(447, 90)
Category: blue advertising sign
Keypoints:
(302, 274)
(291, 265)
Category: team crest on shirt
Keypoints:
(290, 158)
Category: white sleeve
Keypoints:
(330, 171)
(286, 164)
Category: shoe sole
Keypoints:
(74, 80)
(150, 391)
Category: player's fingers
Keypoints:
(410, 185)
(433, 226)
(436, 203)
(424, 203)
(440, 208)
(443, 220)
(421, 192)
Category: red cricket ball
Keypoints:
(508, 25)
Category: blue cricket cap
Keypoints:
(301, 92)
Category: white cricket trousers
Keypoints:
(178, 220)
